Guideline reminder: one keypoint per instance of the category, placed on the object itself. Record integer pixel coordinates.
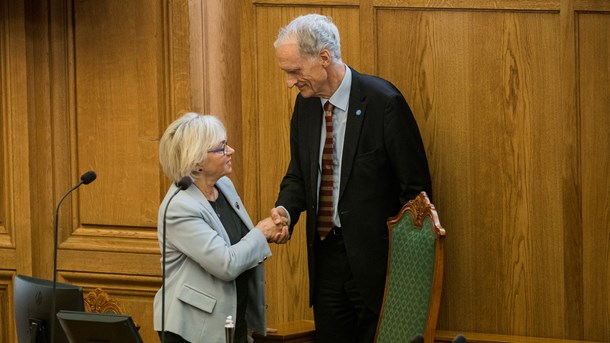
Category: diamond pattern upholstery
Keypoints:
(414, 278)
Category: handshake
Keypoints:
(275, 227)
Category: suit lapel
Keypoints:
(315, 120)
(355, 118)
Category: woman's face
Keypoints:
(218, 162)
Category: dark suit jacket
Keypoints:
(384, 165)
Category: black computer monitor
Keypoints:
(33, 312)
(87, 327)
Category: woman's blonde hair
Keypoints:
(186, 142)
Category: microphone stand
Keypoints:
(184, 183)
(86, 179)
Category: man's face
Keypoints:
(307, 73)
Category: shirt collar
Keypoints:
(340, 99)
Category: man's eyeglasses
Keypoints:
(222, 149)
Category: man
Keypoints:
(368, 159)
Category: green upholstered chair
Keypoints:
(415, 274)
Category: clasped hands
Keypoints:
(275, 227)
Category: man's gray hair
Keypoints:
(313, 33)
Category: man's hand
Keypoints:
(280, 219)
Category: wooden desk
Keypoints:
(304, 331)
(477, 337)
(301, 331)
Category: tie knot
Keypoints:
(328, 107)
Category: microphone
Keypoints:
(85, 179)
(229, 330)
(419, 338)
(459, 339)
(183, 184)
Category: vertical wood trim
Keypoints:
(177, 81)
(368, 38)
(573, 242)
(198, 56)
(14, 111)
(62, 114)
(215, 61)
(250, 191)
(20, 148)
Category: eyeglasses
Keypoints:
(222, 149)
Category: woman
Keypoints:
(214, 254)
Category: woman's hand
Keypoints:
(268, 227)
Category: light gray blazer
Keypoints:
(202, 265)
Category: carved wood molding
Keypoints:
(98, 301)
(133, 240)
(420, 207)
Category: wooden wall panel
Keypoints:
(485, 90)
(594, 101)
(14, 136)
(14, 154)
(129, 79)
(117, 114)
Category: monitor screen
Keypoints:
(86, 327)
(33, 313)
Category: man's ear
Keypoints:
(326, 57)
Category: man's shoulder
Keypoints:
(373, 83)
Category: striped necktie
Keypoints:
(325, 199)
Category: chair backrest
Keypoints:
(415, 273)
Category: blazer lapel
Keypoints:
(231, 195)
(355, 118)
(216, 224)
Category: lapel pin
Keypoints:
(237, 205)
(358, 112)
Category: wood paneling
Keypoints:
(493, 86)
(117, 115)
(88, 85)
(14, 135)
(496, 5)
(510, 96)
(485, 89)
(594, 105)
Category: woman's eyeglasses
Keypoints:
(222, 149)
